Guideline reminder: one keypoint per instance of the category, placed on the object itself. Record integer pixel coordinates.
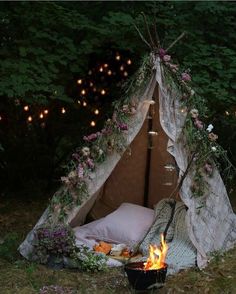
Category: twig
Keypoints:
(142, 37)
(172, 44)
(148, 31)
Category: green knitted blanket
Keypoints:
(181, 253)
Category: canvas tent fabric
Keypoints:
(211, 228)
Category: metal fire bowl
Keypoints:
(141, 279)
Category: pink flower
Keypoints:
(162, 53)
(92, 137)
(213, 137)
(166, 58)
(90, 163)
(123, 126)
(198, 123)
(208, 168)
(186, 77)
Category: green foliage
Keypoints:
(8, 247)
(45, 45)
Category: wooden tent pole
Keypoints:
(148, 160)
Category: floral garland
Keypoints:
(112, 138)
(201, 140)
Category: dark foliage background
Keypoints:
(46, 46)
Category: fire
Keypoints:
(157, 256)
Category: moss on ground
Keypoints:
(20, 276)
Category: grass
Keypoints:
(17, 275)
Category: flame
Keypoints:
(157, 256)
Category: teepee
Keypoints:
(140, 157)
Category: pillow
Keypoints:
(127, 225)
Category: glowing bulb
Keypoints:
(78, 102)
(101, 69)
(105, 65)
(79, 81)
(103, 92)
(226, 112)
(29, 118)
(90, 84)
(109, 72)
(46, 111)
(84, 103)
(117, 57)
(129, 61)
(94, 89)
(90, 72)
(0, 117)
(92, 124)
(83, 92)
(26, 108)
(125, 74)
(63, 110)
(41, 115)
(122, 68)
(96, 111)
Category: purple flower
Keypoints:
(76, 156)
(80, 171)
(198, 123)
(92, 137)
(186, 77)
(122, 126)
(162, 53)
(90, 163)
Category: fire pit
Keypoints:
(141, 279)
(145, 275)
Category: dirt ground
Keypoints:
(20, 276)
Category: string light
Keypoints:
(90, 84)
(96, 111)
(105, 65)
(83, 92)
(45, 111)
(90, 72)
(79, 81)
(26, 108)
(29, 118)
(129, 61)
(109, 72)
(92, 124)
(79, 102)
(117, 57)
(94, 89)
(122, 68)
(0, 117)
(125, 74)
(41, 115)
(84, 103)
(63, 111)
(103, 92)
(101, 69)
(226, 112)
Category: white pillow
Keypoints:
(128, 224)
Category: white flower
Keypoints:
(210, 128)
(194, 113)
(192, 92)
(213, 149)
(100, 152)
(86, 151)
